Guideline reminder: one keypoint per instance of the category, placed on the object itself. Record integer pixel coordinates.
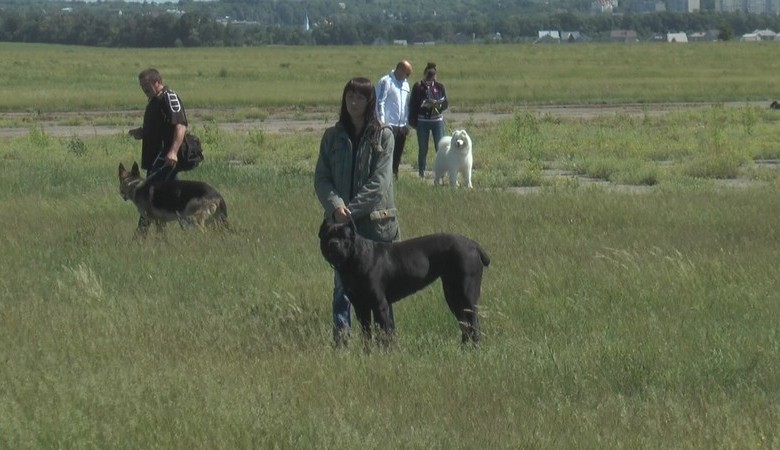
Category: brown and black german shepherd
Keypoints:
(188, 202)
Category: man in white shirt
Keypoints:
(392, 107)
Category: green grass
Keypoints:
(701, 143)
(497, 77)
(610, 319)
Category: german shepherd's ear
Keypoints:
(135, 170)
(122, 171)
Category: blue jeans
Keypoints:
(342, 312)
(424, 129)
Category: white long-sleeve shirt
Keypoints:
(392, 100)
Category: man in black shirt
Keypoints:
(165, 123)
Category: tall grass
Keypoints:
(610, 320)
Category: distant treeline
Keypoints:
(192, 24)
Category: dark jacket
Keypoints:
(423, 92)
(163, 112)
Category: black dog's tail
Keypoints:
(483, 256)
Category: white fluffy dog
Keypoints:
(453, 156)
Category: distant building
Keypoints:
(676, 37)
(572, 37)
(548, 37)
(765, 35)
(623, 36)
(704, 36)
(748, 6)
(648, 6)
(728, 5)
(683, 6)
(759, 35)
(603, 6)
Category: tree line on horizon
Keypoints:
(231, 23)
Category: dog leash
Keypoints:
(351, 219)
(151, 175)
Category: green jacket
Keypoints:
(372, 201)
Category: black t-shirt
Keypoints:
(163, 112)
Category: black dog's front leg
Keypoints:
(469, 326)
(384, 319)
(364, 317)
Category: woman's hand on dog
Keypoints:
(341, 214)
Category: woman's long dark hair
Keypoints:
(362, 86)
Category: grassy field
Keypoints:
(497, 77)
(611, 318)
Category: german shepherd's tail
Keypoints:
(212, 212)
(220, 215)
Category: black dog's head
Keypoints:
(337, 242)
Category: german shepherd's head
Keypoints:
(129, 181)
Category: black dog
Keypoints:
(376, 274)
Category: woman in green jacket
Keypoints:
(353, 180)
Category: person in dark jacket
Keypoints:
(353, 180)
(162, 133)
(428, 102)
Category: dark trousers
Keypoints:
(399, 134)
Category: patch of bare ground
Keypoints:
(291, 121)
(294, 120)
(554, 177)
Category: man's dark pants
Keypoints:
(399, 134)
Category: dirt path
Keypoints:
(55, 124)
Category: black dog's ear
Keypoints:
(135, 170)
(323, 228)
(122, 171)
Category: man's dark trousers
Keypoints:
(399, 134)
